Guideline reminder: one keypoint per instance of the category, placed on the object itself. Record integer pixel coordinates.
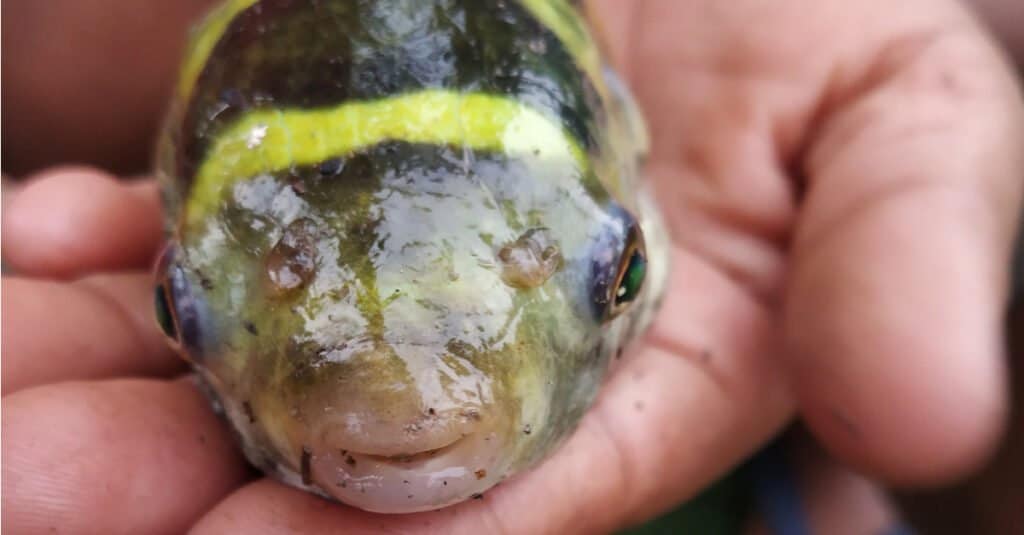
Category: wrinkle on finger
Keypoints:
(98, 327)
(124, 456)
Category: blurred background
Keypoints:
(60, 106)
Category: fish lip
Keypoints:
(411, 458)
(421, 481)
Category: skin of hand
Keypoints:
(843, 180)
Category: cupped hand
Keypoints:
(842, 179)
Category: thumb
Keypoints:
(901, 257)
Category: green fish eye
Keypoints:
(164, 317)
(632, 279)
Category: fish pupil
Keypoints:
(163, 312)
(632, 280)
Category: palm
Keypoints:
(777, 161)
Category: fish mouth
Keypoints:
(411, 458)
(412, 481)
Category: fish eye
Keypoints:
(178, 305)
(164, 315)
(631, 274)
(163, 295)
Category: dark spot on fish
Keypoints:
(477, 496)
(706, 356)
(247, 408)
(638, 405)
(480, 474)
(445, 483)
(431, 411)
(343, 484)
(350, 460)
(307, 476)
(268, 466)
(298, 186)
(406, 481)
(331, 167)
(251, 327)
(527, 429)
(202, 439)
(344, 453)
(409, 496)
(206, 283)
(234, 98)
(619, 352)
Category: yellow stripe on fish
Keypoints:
(203, 39)
(269, 140)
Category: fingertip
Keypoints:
(895, 346)
(70, 221)
(920, 447)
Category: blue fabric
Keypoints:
(776, 494)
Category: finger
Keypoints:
(72, 221)
(94, 328)
(700, 395)
(986, 502)
(900, 260)
(755, 104)
(802, 491)
(100, 104)
(125, 456)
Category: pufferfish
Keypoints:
(405, 237)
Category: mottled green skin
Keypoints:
(403, 358)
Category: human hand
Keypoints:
(843, 181)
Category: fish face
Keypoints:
(403, 238)
(410, 325)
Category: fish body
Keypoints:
(405, 237)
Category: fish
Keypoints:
(405, 239)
